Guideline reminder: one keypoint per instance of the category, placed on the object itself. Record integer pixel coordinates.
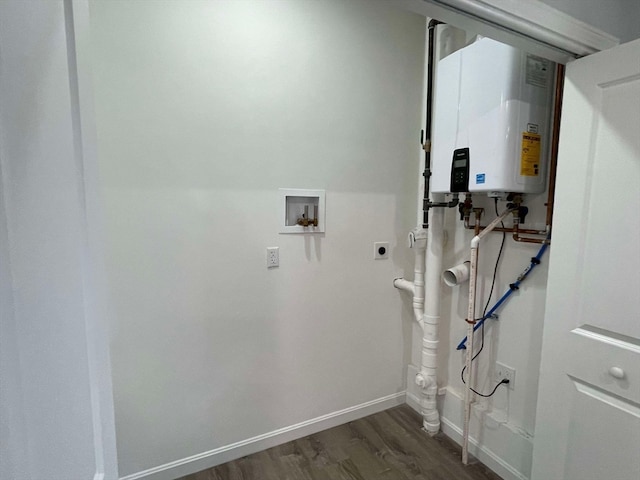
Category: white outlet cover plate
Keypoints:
(376, 250)
(273, 257)
(503, 371)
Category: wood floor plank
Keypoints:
(389, 445)
(408, 456)
(426, 451)
(373, 466)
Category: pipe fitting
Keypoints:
(428, 403)
(456, 275)
(431, 424)
(405, 285)
(426, 382)
(418, 239)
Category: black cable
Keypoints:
(495, 270)
(504, 380)
(484, 312)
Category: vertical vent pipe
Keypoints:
(426, 379)
(427, 295)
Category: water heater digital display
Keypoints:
(460, 171)
(492, 116)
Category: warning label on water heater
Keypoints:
(530, 158)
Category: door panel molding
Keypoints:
(593, 391)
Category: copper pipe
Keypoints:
(518, 238)
(527, 231)
(477, 227)
(539, 241)
(555, 139)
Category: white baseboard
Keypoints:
(504, 448)
(482, 453)
(202, 461)
(414, 402)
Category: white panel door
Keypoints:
(588, 416)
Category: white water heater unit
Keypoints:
(491, 120)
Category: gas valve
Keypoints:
(522, 213)
(519, 210)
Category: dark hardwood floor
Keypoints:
(389, 445)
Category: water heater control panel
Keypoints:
(460, 171)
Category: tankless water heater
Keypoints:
(491, 120)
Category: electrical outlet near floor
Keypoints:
(273, 257)
(502, 371)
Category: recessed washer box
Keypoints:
(303, 210)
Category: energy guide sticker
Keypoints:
(530, 158)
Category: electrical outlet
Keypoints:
(273, 257)
(380, 250)
(502, 371)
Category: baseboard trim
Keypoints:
(482, 453)
(211, 458)
(414, 402)
(500, 445)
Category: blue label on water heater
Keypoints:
(479, 178)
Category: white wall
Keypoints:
(13, 461)
(55, 393)
(620, 18)
(204, 110)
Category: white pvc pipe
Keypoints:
(417, 241)
(473, 273)
(428, 247)
(427, 378)
(404, 285)
(471, 311)
(418, 282)
(457, 275)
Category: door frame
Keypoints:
(529, 25)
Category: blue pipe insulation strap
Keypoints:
(512, 288)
